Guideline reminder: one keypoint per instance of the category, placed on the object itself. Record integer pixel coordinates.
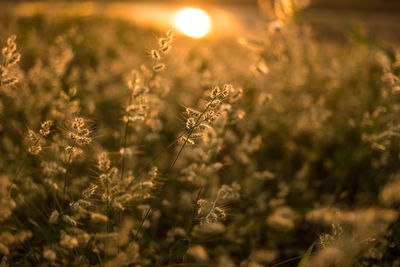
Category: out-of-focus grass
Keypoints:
(309, 153)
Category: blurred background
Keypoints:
(375, 18)
(309, 137)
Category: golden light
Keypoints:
(193, 22)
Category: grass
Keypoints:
(206, 152)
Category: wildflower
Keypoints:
(103, 162)
(190, 123)
(165, 48)
(9, 82)
(187, 140)
(155, 54)
(215, 103)
(3, 71)
(35, 148)
(69, 150)
(104, 179)
(215, 215)
(45, 128)
(32, 136)
(159, 67)
(192, 113)
(89, 191)
(78, 123)
(80, 133)
(9, 54)
(113, 173)
(215, 92)
(210, 116)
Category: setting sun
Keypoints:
(193, 22)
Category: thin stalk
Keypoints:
(124, 142)
(152, 76)
(189, 228)
(287, 261)
(197, 123)
(119, 222)
(107, 207)
(21, 166)
(57, 202)
(29, 246)
(165, 149)
(66, 174)
(24, 160)
(141, 224)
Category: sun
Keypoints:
(193, 22)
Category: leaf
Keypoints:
(306, 255)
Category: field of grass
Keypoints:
(128, 146)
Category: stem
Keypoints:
(141, 224)
(123, 150)
(152, 76)
(189, 228)
(57, 202)
(66, 174)
(124, 142)
(119, 222)
(151, 162)
(25, 159)
(197, 123)
(21, 166)
(107, 208)
(29, 246)
(289, 260)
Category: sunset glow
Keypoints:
(193, 22)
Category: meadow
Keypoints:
(129, 146)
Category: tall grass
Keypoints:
(210, 153)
